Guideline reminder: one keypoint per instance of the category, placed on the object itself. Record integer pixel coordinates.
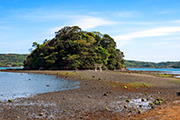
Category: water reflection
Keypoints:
(15, 85)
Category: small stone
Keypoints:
(125, 106)
(17, 117)
(28, 114)
(105, 94)
(142, 99)
(10, 100)
(140, 111)
(89, 96)
(41, 114)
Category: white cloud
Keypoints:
(176, 21)
(124, 14)
(39, 15)
(89, 22)
(165, 12)
(164, 31)
(85, 22)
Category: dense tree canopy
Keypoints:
(140, 64)
(73, 48)
(12, 60)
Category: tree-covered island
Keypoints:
(73, 48)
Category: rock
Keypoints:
(28, 114)
(125, 106)
(10, 100)
(139, 111)
(89, 96)
(41, 114)
(106, 94)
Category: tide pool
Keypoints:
(15, 85)
(165, 70)
(4, 68)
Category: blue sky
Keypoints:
(145, 30)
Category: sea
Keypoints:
(17, 85)
(164, 70)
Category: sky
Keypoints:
(145, 30)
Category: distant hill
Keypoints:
(16, 60)
(141, 64)
(12, 60)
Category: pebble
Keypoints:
(105, 94)
(125, 106)
(41, 114)
(139, 111)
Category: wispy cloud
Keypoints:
(42, 15)
(39, 15)
(176, 21)
(164, 31)
(89, 22)
(165, 12)
(125, 14)
(4, 28)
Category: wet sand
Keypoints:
(102, 95)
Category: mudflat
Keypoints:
(102, 95)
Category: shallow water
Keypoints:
(164, 70)
(134, 104)
(4, 68)
(13, 85)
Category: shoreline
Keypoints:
(89, 101)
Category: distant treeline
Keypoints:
(12, 60)
(140, 64)
(16, 60)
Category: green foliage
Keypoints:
(73, 48)
(12, 60)
(139, 64)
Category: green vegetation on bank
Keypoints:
(73, 48)
(12, 60)
(139, 64)
(16, 60)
